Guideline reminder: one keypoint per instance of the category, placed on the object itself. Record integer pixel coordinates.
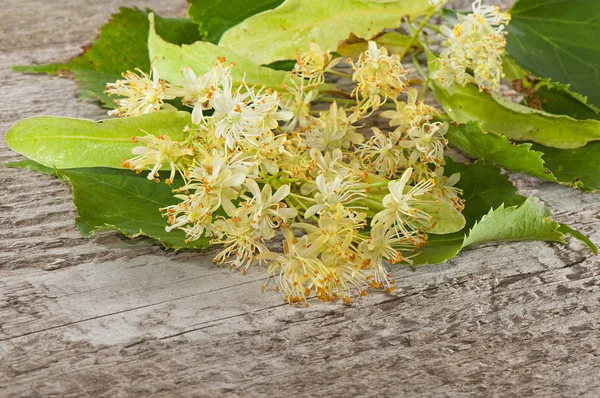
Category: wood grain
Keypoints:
(115, 317)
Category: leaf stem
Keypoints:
(416, 33)
(338, 73)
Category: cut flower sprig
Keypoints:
(259, 163)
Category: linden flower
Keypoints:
(331, 192)
(143, 93)
(215, 183)
(381, 154)
(475, 44)
(158, 152)
(298, 104)
(379, 77)
(198, 90)
(296, 270)
(334, 232)
(332, 130)
(240, 241)
(265, 210)
(410, 113)
(400, 212)
(241, 117)
(312, 64)
(445, 187)
(381, 245)
(428, 142)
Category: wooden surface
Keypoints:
(114, 317)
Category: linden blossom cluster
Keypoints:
(475, 49)
(345, 201)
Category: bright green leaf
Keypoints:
(478, 144)
(518, 122)
(216, 16)
(170, 59)
(278, 34)
(529, 221)
(447, 218)
(122, 46)
(109, 199)
(67, 143)
(558, 39)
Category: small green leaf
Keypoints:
(558, 39)
(122, 46)
(67, 143)
(216, 16)
(478, 144)
(529, 221)
(109, 199)
(518, 122)
(170, 59)
(278, 34)
(447, 218)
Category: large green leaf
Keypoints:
(122, 46)
(216, 16)
(278, 34)
(67, 143)
(518, 122)
(559, 39)
(108, 199)
(170, 59)
(580, 166)
(478, 144)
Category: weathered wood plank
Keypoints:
(113, 317)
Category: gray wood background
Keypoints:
(114, 317)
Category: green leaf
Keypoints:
(216, 16)
(573, 167)
(109, 199)
(529, 221)
(518, 122)
(67, 143)
(478, 144)
(580, 166)
(558, 99)
(546, 95)
(514, 217)
(278, 34)
(558, 39)
(170, 59)
(122, 46)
